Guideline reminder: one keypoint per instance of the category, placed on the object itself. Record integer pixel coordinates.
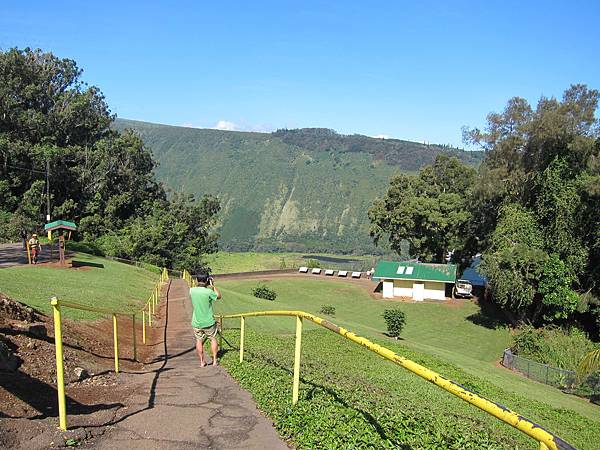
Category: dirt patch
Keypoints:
(28, 397)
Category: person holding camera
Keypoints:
(203, 321)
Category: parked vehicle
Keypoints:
(463, 289)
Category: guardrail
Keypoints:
(546, 439)
(148, 311)
(191, 281)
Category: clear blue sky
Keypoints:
(411, 70)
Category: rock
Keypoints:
(8, 360)
(16, 310)
(81, 373)
(36, 329)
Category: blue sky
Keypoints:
(410, 70)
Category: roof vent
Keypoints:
(400, 270)
(409, 270)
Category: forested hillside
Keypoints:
(303, 190)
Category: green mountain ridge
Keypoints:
(293, 190)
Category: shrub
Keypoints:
(395, 320)
(262, 291)
(312, 263)
(552, 345)
(327, 310)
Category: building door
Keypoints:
(418, 291)
(388, 289)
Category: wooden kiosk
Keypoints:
(61, 226)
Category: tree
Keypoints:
(545, 161)
(559, 300)
(515, 262)
(429, 210)
(102, 179)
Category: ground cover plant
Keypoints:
(328, 310)
(351, 398)
(100, 282)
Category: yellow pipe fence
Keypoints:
(147, 312)
(546, 439)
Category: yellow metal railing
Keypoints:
(147, 312)
(191, 281)
(546, 439)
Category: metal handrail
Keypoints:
(546, 439)
(150, 305)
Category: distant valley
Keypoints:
(292, 190)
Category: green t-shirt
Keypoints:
(202, 300)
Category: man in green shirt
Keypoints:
(203, 321)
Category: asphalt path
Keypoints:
(180, 405)
(14, 255)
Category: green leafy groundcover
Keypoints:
(351, 398)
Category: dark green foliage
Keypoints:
(263, 291)
(328, 310)
(395, 319)
(533, 209)
(305, 195)
(429, 210)
(350, 398)
(99, 178)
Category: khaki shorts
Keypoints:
(203, 333)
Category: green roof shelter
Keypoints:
(414, 280)
(60, 225)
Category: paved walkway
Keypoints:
(14, 255)
(180, 405)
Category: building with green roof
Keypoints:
(414, 280)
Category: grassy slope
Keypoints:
(116, 285)
(230, 262)
(351, 398)
(438, 330)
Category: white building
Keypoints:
(417, 281)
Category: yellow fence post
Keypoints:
(297, 352)
(28, 253)
(134, 337)
(116, 339)
(242, 326)
(151, 305)
(60, 373)
(143, 326)
(149, 315)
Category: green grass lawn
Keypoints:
(434, 331)
(351, 398)
(114, 285)
(230, 262)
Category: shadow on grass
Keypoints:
(333, 393)
(75, 263)
(489, 315)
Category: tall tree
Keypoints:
(429, 210)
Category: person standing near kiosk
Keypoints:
(34, 247)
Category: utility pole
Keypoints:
(48, 196)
